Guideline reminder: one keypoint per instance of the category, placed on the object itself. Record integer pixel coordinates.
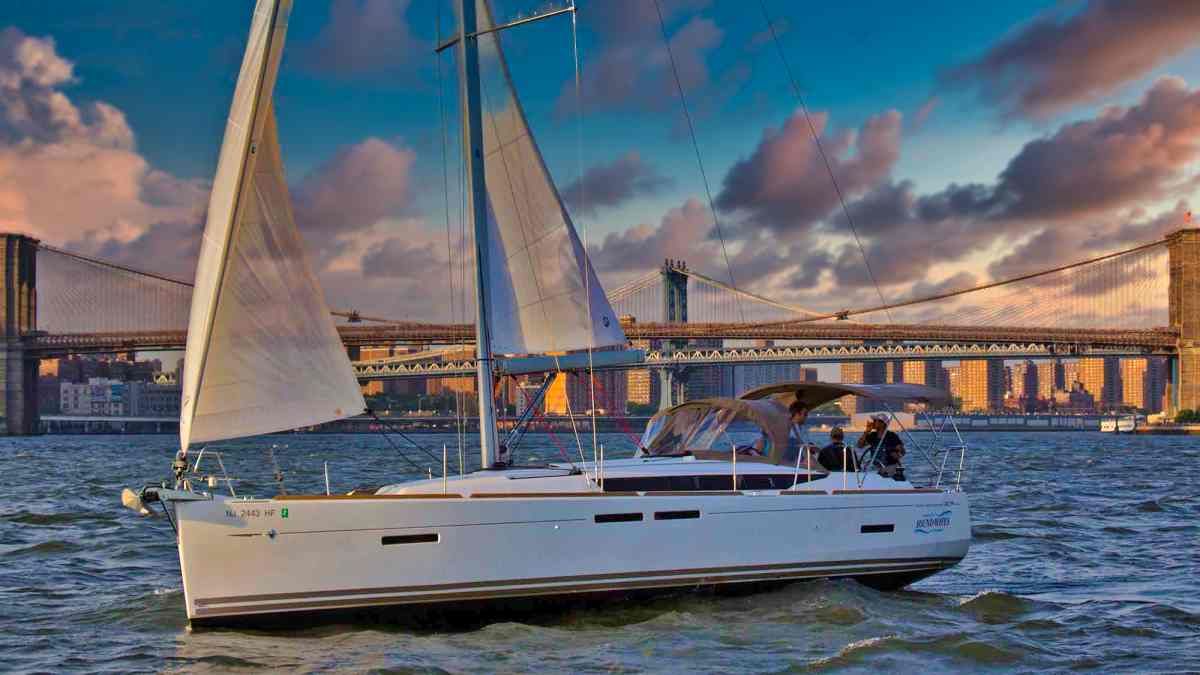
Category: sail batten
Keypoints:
(543, 294)
(263, 354)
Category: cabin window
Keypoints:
(676, 515)
(618, 517)
(424, 538)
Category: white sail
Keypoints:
(263, 353)
(543, 295)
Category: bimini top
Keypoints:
(813, 394)
(703, 427)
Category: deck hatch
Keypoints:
(425, 538)
(676, 515)
(876, 529)
(618, 517)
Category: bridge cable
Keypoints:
(964, 291)
(824, 157)
(696, 147)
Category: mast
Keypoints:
(473, 146)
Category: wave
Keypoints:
(995, 606)
(51, 547)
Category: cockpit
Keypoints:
(716, 428)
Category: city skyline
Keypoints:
(951, 152)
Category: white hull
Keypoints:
(247, 558)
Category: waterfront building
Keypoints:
(99, 396)
(150, 399)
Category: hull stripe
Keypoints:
(824, 565)
(930, 565)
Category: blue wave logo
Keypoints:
(932, 522)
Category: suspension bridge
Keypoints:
(1139, 301)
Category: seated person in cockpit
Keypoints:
(837, 456)
(891, 451)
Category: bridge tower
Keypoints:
(675, 310)
(1183, 299)
(675, 307)
(18, 310)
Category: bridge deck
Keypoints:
(418, 333)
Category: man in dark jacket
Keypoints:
(837, 456)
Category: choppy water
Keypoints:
(1086, 556)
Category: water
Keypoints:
(1085, 557)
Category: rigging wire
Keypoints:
(587, 271)
(384, 425)
(696, 146)
(821, 151)
(458, 402)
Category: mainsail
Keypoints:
(263, 353)
(543, 295)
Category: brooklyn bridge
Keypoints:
(1140, 301)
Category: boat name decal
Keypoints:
(932, 522)
(252, 513)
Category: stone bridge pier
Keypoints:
(1183, 388)
(18, 368)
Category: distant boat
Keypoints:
(1124, 424)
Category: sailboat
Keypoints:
(717, 494)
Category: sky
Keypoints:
(971, 140)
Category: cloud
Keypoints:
(1064, 57)
(784, 185)
(1122, 155)
(613, 184)
(633, 68)
(682, 233)
(351, 192)
(1045, 248)
(71, 174)
(400, 258)
(364, 38)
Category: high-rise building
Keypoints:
(1156, 384)
(442, 385)
(1049, 378)
(1070, 376)
(746, 378)
(862, 372)
(1016, 379)
(572, 393)
(1101, 377)
(954, 381)
(1025, 380)
(640, 382)
(1133, 383)
(981, 382)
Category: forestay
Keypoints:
(543, 295)
(263, 354)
